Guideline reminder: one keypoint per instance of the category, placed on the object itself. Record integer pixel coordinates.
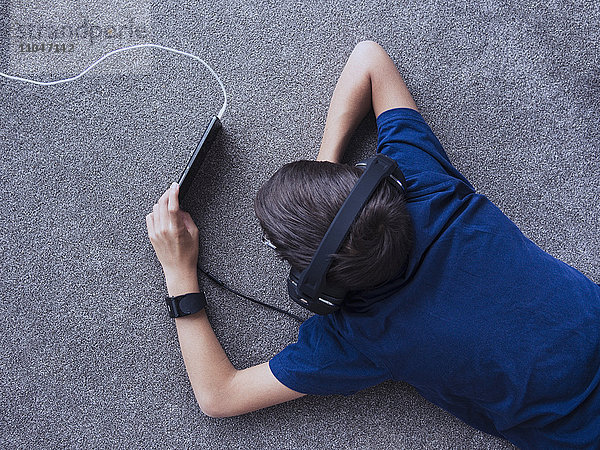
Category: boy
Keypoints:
(446, 293)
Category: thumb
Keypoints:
(189, 222)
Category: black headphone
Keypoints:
(309, 287)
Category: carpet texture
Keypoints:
(88, 356)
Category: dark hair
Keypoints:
(298, 203)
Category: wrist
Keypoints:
(180, 283)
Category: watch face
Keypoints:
(187, 304)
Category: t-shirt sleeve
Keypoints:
(403, 135)
(322, 362)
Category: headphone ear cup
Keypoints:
(294, 275)
(293, 291)
(326, 304)
(334, 295)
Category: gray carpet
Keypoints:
(88, 355)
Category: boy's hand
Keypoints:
(174, 236)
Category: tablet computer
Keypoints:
(198, 156)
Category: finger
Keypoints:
(156, 217)
(174, 198)
(164, 198)
(150, 226)
(162, 208)
(163, 211)
(189, 223)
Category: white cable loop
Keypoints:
(50, 83)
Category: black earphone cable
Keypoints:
(239, 294)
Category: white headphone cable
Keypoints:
(50, 83)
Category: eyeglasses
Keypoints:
(267, 242)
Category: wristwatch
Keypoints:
(184, 305)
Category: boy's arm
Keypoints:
(369, 79)
(220, 389)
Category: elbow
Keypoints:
(214, 407)
(367, 55)
(367, 48)
(368, 44)
(211, 413)
(215, 400)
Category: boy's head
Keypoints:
(298, 203)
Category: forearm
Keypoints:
(208, 367)
(350, 103)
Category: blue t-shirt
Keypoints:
(483, 323)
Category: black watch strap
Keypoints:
(184, 305)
